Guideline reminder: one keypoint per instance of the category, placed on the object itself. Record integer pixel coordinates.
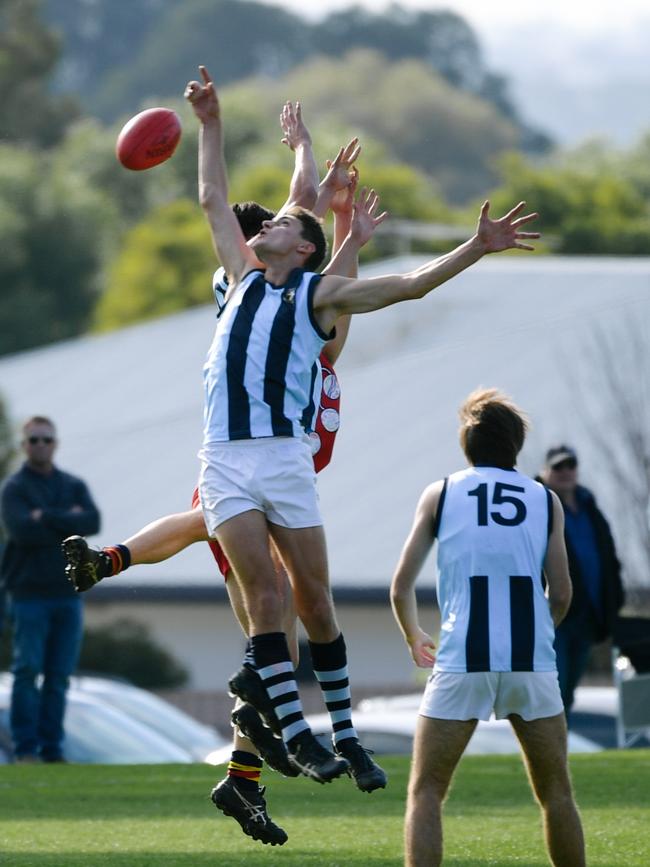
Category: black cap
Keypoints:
(559, 454)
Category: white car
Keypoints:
(112, 722)
(198, 739)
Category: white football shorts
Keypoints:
(274, 475)
(479, 694)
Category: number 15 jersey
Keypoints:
(492, 527)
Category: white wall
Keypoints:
(205, 638)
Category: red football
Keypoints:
(148, 139)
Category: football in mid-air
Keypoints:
(148, 139)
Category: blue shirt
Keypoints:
(581, 535)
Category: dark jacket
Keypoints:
(32, 563)
(612, 593)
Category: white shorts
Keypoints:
(274, 475)
(478, 694)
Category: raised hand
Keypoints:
(343, 200)
(364, 217)
(338, 174)
(203, 97)
(295, 133)
(503, 234)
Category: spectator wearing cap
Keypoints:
(594, 567)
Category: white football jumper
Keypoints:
(259, 375)
(492, 527)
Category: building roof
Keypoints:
(128, 404)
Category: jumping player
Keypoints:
(257, 478)
(239, 794)
(497, 531)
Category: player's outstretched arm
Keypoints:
(303, 190)
(556, 566)
(335, 295)
(342, 206)
(402, 590)
(227, 237)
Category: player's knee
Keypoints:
(430, 786)
(555, 792)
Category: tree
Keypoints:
(29, 52)
(587, 205)
(417, 116)
(125, 648)
(6, 440)
(165, 265)
(51, 228)
(612, 399)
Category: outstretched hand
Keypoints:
(343, 200)
(295, 132)
(338, 169)
(364, 216)
(503, 234)
(203, 97)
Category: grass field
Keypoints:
(128, 816)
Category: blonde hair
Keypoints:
(492, 428)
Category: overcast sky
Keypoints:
(577, 69)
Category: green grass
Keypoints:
(110, 816)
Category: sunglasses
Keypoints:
(569, 464)
(33, 440)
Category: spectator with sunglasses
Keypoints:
(594, 567)
(41, 505)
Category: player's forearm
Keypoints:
(344, 258)
(559, 604)
(304, 182)
(405, 608)
(435, 273)
(342, 223)
(213, 179)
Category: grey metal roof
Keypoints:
(128, 404)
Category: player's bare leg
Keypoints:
(268, 683)
(165, 537)
(154, 543)
(544, 743)
(437, 749)
(304, 554)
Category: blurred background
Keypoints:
(105, 276)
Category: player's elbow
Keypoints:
(209, 197)
(305, 195)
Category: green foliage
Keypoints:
(587, 205)
(29, 52)
(6, 440)
(50, 230)
(125, 649)
(165, 265)
(413, 112)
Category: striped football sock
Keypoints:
(245, 769)
(274, 666)
(330, 663)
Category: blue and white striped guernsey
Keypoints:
(492, 528)
(258, 375)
